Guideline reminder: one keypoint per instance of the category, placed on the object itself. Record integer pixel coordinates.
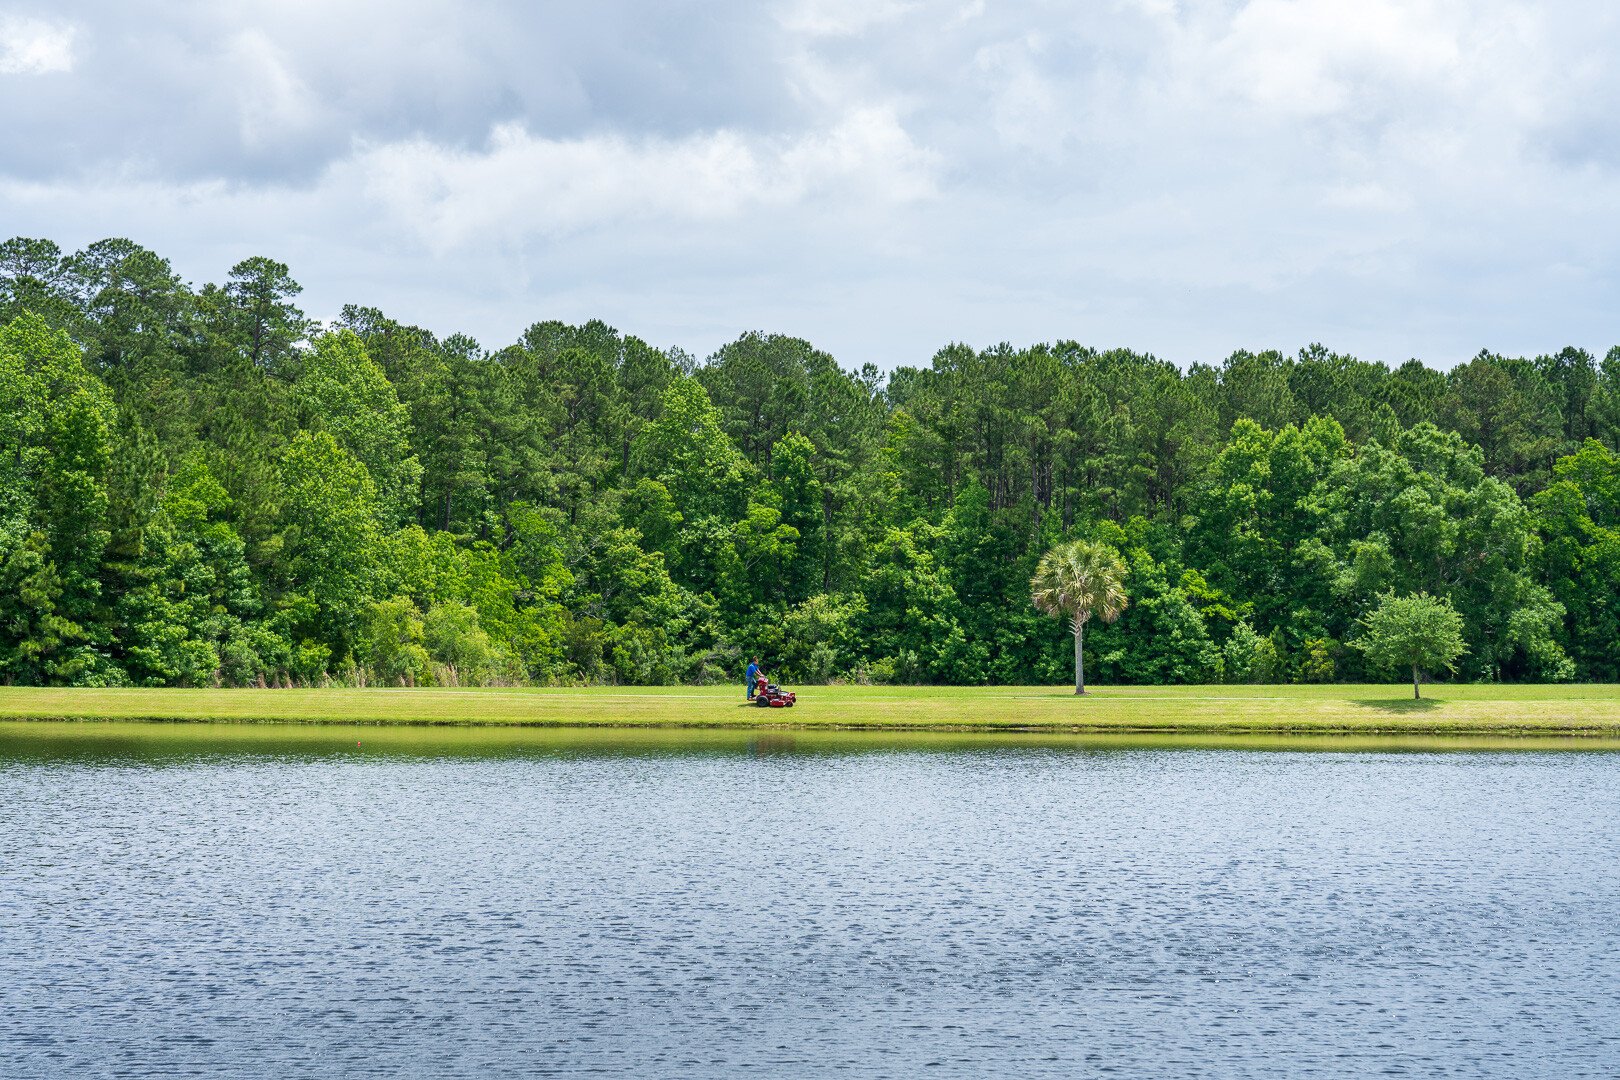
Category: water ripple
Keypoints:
(1031, 914)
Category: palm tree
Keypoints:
(1076, 581)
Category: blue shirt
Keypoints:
(753, 673)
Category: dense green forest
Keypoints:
(199, 486)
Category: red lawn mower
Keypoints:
(768, 695)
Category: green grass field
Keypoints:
(1451, 710)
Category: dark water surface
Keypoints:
(192, 903)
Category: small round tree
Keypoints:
(1422, 632)
(1076, 581)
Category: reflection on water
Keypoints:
(279, 901)
(765, 743)
(185, 741)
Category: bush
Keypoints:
(1249, 657)
(875, 672)
(1316, 662)
(818, 637)
(453, 636)
(391, 643)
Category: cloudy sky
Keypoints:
(1420, 178)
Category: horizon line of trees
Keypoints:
(201, 486)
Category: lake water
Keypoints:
(196, 901)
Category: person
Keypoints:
(752, 677)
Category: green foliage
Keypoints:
(1423, 516)
(802, 499)
(341, 391)
(1162, 637)
(36, 277)
(188, 606)
(1508, 409)
(56, 423)
(1579, 517)
(1419, 632)
(911, 612)
(1255, 512)
(201, 487)
(686, 450)
(820, 638)
(390, 643)
(1082, 579)
(454, 638)
(1250, 658)
(256, 314)
(1079, 580)
(650, 510)
(331, 541)
(1316, 661)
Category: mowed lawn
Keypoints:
(1448, 709)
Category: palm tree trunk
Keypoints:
(1079, 658)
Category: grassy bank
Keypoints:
(1452, 710)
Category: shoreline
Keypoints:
(1506, 711)
(146, 740)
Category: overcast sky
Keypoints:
(1422, 178)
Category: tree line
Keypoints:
(201, 486)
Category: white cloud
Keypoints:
(1029, 110)
(524, 185)
(1394, 177)
(839, 18)
(34, 46)
(1314, 57)
(272, 100)
(967, 13)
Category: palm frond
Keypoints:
(1079, 580)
